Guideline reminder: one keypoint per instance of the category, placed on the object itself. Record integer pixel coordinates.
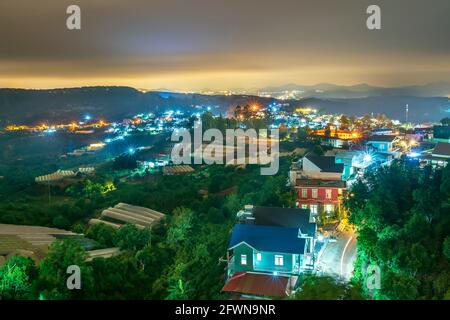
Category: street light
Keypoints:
(367, 158)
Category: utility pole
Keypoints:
(406, 113)
(49, 196)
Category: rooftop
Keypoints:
(258, 284)
(383, 138)
(34, 241)
(320, 183)
(442, 148)
(326, 164)
(284, 217)
(269, 239)
(123, 213)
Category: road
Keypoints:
(338, 257)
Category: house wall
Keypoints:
(238, 251)
(321, 194)
(321, 175)
(267, 262)
(321, 201)
(381, 146)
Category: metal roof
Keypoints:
(326, 164)
(269, 239)
(383, 138)
(320, 183)
(442, 148)
(258, 284)
(285, 217)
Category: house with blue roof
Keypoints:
(277, 244)
(274, 250)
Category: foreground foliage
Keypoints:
(403, 218)
(182, 258)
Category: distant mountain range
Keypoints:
(326, 90)
(426, 103)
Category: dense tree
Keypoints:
(446, 121)
(130, 237)
(402, 218)
(181, 227)
(51, 283)
(447, 247)
(182, 257)
(303, 133)
(16, 277)
(125, 161)
(326, 288)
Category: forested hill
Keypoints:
(115, 103)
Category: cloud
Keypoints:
(201, 43)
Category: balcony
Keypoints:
(230, 267)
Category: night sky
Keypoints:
(222, 44)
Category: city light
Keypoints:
(367, 158)
(413, 155)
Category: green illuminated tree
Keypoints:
(446, 121)
(16, 278)
(402, 217)
(52, 280)
(447, 247)
(325, 288)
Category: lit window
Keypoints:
(304, 193)
(243, 259)
(314, 208)
(258, 257)
(304, 206)
(314, 193)
(329, 208)
(278, 260)
(328, 193)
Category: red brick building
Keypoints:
(320, 195)
(318, 184)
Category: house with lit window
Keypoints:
(384, 144)
(347, 159)
(318, 182)
(269, 249)
(320, 196)
(356, 163)
(338, 138)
